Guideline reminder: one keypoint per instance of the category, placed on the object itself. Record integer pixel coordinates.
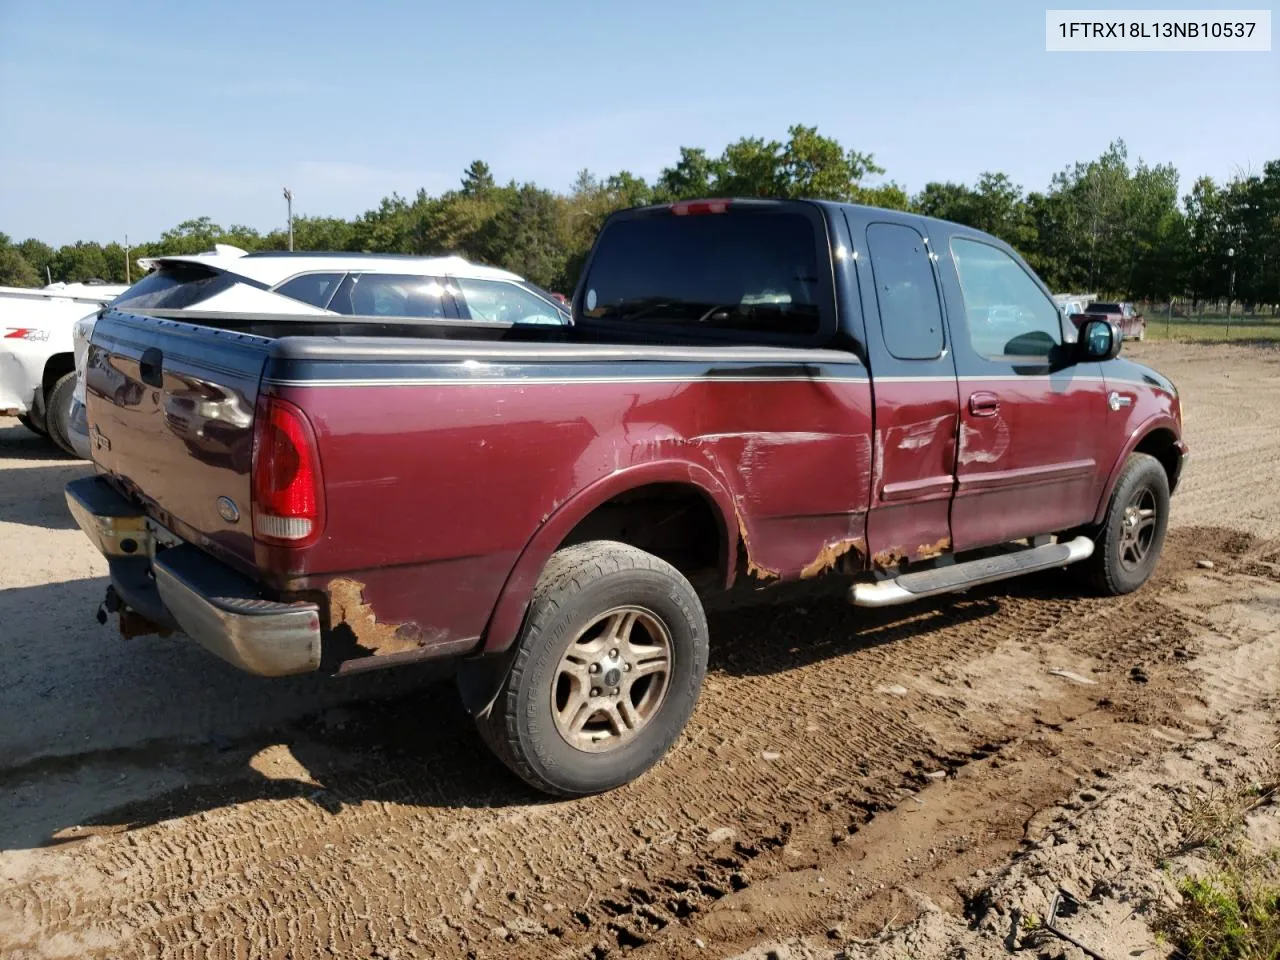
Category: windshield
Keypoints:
(749, 272)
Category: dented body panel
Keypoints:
(453, 468)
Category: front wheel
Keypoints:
(607, 671)
(1128, 543)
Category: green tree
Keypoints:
(80, 261)
(691, 177)
(40, 255)
(15, 269)
(477, 179)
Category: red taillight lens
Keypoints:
(686, 208)
(287, 505)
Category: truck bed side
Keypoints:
(443, 462)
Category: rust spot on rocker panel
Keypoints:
(830, 556)
(347, 606)
(929, 551)
(753, 568)
(886, 559)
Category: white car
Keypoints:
(36, 363)
(298, 286)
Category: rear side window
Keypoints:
(313, 288)
(503, 302)
(173, 286)
(740, 272)
(391, 295)
(910, 312)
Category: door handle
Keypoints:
(982, 404)
(149, 367)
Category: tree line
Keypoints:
(1106, 225)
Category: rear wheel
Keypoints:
(607, 671)
(58, 412)
(1128, 543)
(31, 425)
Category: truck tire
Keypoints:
(31, 425)
(606, 673)
(58, 412)
(1128, 543)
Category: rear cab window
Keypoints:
(743, 272)
(906, 291)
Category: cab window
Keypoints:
(910, 313)
(1009, 316)
(502, 302)
(391, 295)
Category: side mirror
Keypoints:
(1099, 340)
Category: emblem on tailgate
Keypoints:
(228, 510)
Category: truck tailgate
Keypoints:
(170, 408)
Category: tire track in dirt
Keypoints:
(794, 745)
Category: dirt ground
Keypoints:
(916, 782)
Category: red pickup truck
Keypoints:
(749, 389)
(1131, 323)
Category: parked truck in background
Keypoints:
(1126, 317)
(37, 370)
(753, 390)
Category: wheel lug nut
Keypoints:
(595, 691)
(594, 668)
(626, 666)
(614, 691)
(613, 654)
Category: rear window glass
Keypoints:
(1103, 308)
(910, 313)
(744, 272)
(391, 295)
(173, 287)
(313, 288)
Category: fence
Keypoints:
(1185, 319)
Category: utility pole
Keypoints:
(126, 259)
(288, 197)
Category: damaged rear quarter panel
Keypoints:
(436, 494)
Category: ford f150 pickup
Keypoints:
(751, 390)
(1131, 323)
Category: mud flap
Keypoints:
(480, 680)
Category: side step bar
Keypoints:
(961, 576)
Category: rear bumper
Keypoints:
(183, 588)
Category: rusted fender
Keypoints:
(518, 589)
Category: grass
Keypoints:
(1213, 328)
(1233, 914)
(1233, 911)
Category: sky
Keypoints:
(128, 118)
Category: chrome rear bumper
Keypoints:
(185, 589)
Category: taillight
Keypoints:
(287, 489)
(686, 208)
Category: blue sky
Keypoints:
(127, 118)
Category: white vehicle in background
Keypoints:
(352, 288)
(37, 369)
